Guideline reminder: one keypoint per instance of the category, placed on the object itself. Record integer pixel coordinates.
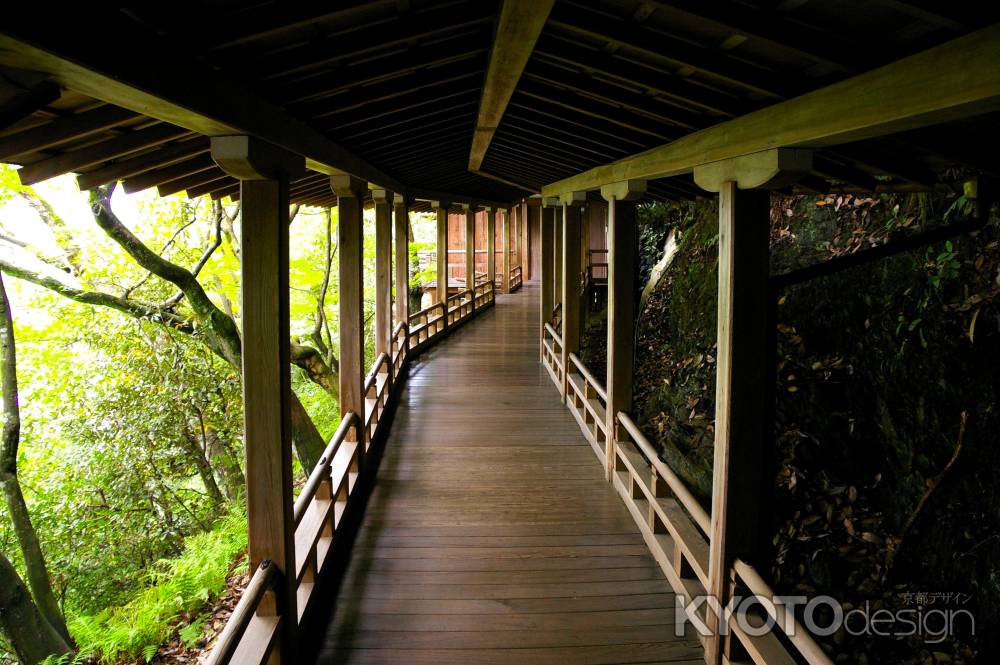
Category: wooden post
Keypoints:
(383, 271)
(263, 171)
(557, 269)
(545, 309)
(401, 223)
(571, 222)
(350, 239)
(470, 250)
(622, 285)
(505, 224)
(491, 245)
(441, 208)
(525, 242)
(740, 390)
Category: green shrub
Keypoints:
(185, 584)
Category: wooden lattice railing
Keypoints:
(251, 634)
(673, 522)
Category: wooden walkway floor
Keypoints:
(491, 536)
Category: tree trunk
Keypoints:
(32, 637)
(226, 464)
(27, 537)
(309, 444)
(204, 469)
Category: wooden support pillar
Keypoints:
(622, 287)
(572, 206)
(491, 246)
(470, 249)
(441, 208)
(545, 308)
(350, 240)
(743, 390)
(383, 270)
(525, 242)
(263, 171)
(401, 223)
(505, 231)
(557, 246)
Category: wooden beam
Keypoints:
(98, 153)
(518, 28)
(266, 373)
(623, 277)
(167, 173)
(127, 168)
(401, 224)
(525, 242)
(350, 255)
(383, 270)
(27, 102)
(171, 86)
(63, 129)
(740, 390)
(955, 80)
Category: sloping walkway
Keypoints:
(491, 536)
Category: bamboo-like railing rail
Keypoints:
(673, 522)
(250, 635)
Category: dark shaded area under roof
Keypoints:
(399, 84)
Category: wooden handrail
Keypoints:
(400, 327)
(552, 332)
(382, 359)
(322, 468)
(261, 582)
(800, 638)
(588, 377)
(426, 310)
(688, 500)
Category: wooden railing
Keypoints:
(587, 400)
(515, 278)
(552, 353)
(249, 636)
(425, 324)
(674, 524)
(459, 306)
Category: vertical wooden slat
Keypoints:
(505, 223)
(350, 235)
(545, 307)
(571, 223)
(383, 270)
(741, 372)
(622, 283)
(401, 223)
(491, 246)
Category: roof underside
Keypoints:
(399, 84)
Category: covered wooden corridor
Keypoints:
(491, 535)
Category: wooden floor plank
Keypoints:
(491, 535)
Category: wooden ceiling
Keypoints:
(398, 84)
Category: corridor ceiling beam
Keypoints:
(518, 28)
(962, 74)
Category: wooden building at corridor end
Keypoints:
(487, 538)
